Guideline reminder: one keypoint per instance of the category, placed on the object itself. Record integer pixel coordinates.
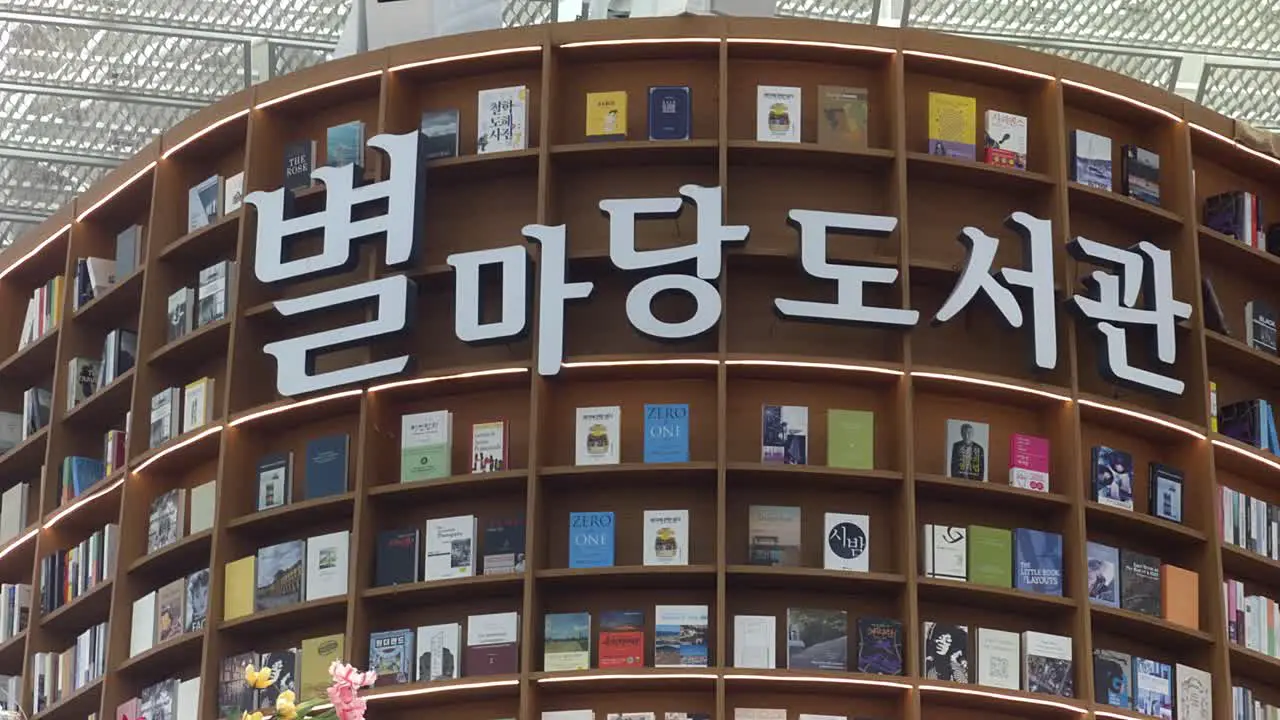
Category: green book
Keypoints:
(426, 442)
(851, 439)
(990, 556)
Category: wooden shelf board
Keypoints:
(988, 596)
(939, 487)
(1135, 419)
(636, 152)
(33, 363)
(11, 654)
(1231, 354)
(977, 697)
(1244, 459)
(1156, 529)
(1146, 628)
(975, 173)
(1230, 253)
(418, 694)
(817, 681)
(210, 243)
(1121, 208)
(125, 294)
(435, 591)
(625, 680)
(452, 486)
(1248, 565)
(18, 555)
(630, 472)
(88, 609)
(313, 510)
(170, 654)
(202, 449)
(175, 558)
(294, 615)
(766, 366)
(75, 706)
(205, 341)
(820, 579)
(28, 454)
(111, 402)
(989, 387)
(753, 152)
(1254, 664)
(627, 576)
(98, 505)
(872, 480)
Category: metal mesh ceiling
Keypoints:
(1251, 94)
(1158, 70)
(859, 11)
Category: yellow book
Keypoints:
(237, 592)
(953, 126)
(607, 115)
(317, 654)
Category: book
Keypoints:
(327, 565)
(1164, 490)
(82, 380)
(426, 441)
(1193, 693)
(326, 471)
(1029, 462)
(999, 657)
(438, 647)
(196, 604)
(142, 629)
(1103, 563)
(279, 572)
(166, 416)
(566, 641)
(213, 292)
(666, 537)
(666, 433)
(1214, 317)
(944, 552)
(848, 545)
(817, 639)
(670, 113)
(275, 480)
(489, 447)
(233, 193)
(299, 161)
(397, 557)
(774, 535)
(880, 646)
(590, 539)
(1037, 561)
(197, 404)
(235, 695)
(1047, 664)
(129, 249)
(607, 115)
(851, 439)
(953, 126)
(621, 639)
(440, 133)
(1091, 159)
(492, 644)
(946, 652)
(1006, 140)
(1140, 174)
(504, 546)
(1112, 678)
(1152, 688)
(181, 313)
(784, 431)
(391, 656)
(1140, 582)
(680, 636)
(1180, 596)
(450, 547)
(165, 522)
(754, 641)
(598, 437)
(1260, 326)
(313, 663)
(204, 199)
(990, 556)
(501, 119)
(344, 144)
(777, 114)
(740, 713)
(568, 715)
(842, 117)
(967, 444)
(1112, 477)
(283, 665)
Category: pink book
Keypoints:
(1029, 462)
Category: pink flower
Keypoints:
(346, 703)
(344, 674)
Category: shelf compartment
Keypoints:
(33, 364)
(199, 344)
(880, 481)
(11, 654)
(443, 591)
(296, 615)
(88, 609)
(477, 167)
(753, 152)
(453, 486)
(183, 557)
(78, 704)
(1121, 208)
(1248, 565)
(316, 510)
(115, 302)
(637, 152)
(1252, 663)
(1228, 352)
(923, 166)
(210, 243)
(1225, 250)
(630, 576)
(1148, 628)
(999, 599)
(105, 405)
(180, 651)
(27, 456)
(938, 487)
(626, 680)
(1157, 530)
(819, 579)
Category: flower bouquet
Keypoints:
(341, 701)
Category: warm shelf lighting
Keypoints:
(203, 131)
(1252, 455)
(820, 679)
(629, 676)
(469, 56)
(120, 188)
(641, 41)
(979, 63)
(1212, 134)
(294, 406)
(814, 43)
(1234, 144)
(18, 543)
(990, 383)
(1115, 715)
(170, 450)
(445, 378)
(1122, 98)
(443, 688)
(817, 366)
(1141, 416)
(32, 252)
(1001, 696)
(638, 363)
(315, 88)
(82, 502)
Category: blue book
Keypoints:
(1152, 688)
(326, 466)
(666, 433)
(345, 144)
(82, 473)
(590, 539)
(1104, 574)
(1037, 561)
(669, 113)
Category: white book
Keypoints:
(1194, 693)
(569, 715)
(326, 572)
(489, 447)
(777, 113)
(598, 436)
(181, 309)
(102, 274)
(213, 292)
(502, 120)
(439, 649)
(1006, 142)
(759, 714)
(13, 512)
(1045, 659)
(142, 631)
(197, 404)
(426, 442)
(234, 193)
(968, 450)
(999, 659)
(813, 716)
(203, 501)
(754, 641)
(943, 550)
(451, 547)
(666, 537)
(848, 544)
(188, 699)
(164, 415)
(493, 629)
(203, 202)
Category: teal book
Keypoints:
(344, 144)
(666, 433)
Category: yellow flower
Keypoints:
(257, 679)
(285, 709)
(251, 716)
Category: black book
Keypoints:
(284, 674)
(235, 695)
(1140, 582)
(504, 546)
(1261, 328)
(945, 653)
(1165, 492)
(1214, 317)
(1140, 175)
(398, 557)
(299, 161)
(1112, 684)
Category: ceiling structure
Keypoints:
(86, 83)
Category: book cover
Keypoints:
(426, 441)
(598, 437)
(1091, 159)
(170, 601)
(489, 447)
(848, 544)
(680, 636)
(502, 119)
(299, 161)
(740, 713)
(1038, 561)
(197, 404)
(504, 546)
(196, 605)
(590, 539)
(1215, 318)
(1047, 664)
(999, 657)
(397, 557)
(777, 114)
(953, 126)
(275, 480)
(1029, 462)
(754, 641)
(990, 556)
(666, 537)
(1112, 477)
(283, 665)
(1165, 492)
(566, 641)
(621, 638)
(1141, 176)
(129, 244)
(666, 433)
(440, 133)
(1180, 595)
(181, 313)
(1103, 565)
(279, 575)
(492, 644)
(851, 439)
(450, 547)
(944, 551)
(1006, 140)
(165, 519)
(1260, 326)
(314, 660)
(142, 629)
(774, 532)
(233, 191)
(235, 695)
(842, 117)
(607, 115)
(784, 434)
(1194, 693)
(817, 639)
(344, 144)
(1140, 582)
(391, 656)
(880, 646)
(967, 444)
(212, 292)
(204, 199)
(237, 595)
(946, 652)
(670, 112)
(326, 472)
(1112, 678)
(1152, 688)
(438, 657)
(327, 565)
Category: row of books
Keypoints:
(1141, 583)
(287, 573)
(11, 697)
(207, 303)
(212, 198)
(14, 505)
(1091, 165)
(816, 639)
(1239, 214)
(15, 610)
(179, 512)
(35, 415)
(1244, 706)
(94, 277)
(59, 674)
(178, 607)
(44, 311)
(433, 652)
(86, 376)
(115, 447)
(175, 411)
(1252, 620)
(304, 670)
(1249, 523)
(426, 446)
(67, 574)
(170, 699)
(1112, 483)
(1151, 687)
(77, 475)
(451, 550)
(325, 473)
(1252, 422)
(1025, 559)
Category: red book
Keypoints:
(621, 638)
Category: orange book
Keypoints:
(1180, 596)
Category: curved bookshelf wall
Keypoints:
(912, 381)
